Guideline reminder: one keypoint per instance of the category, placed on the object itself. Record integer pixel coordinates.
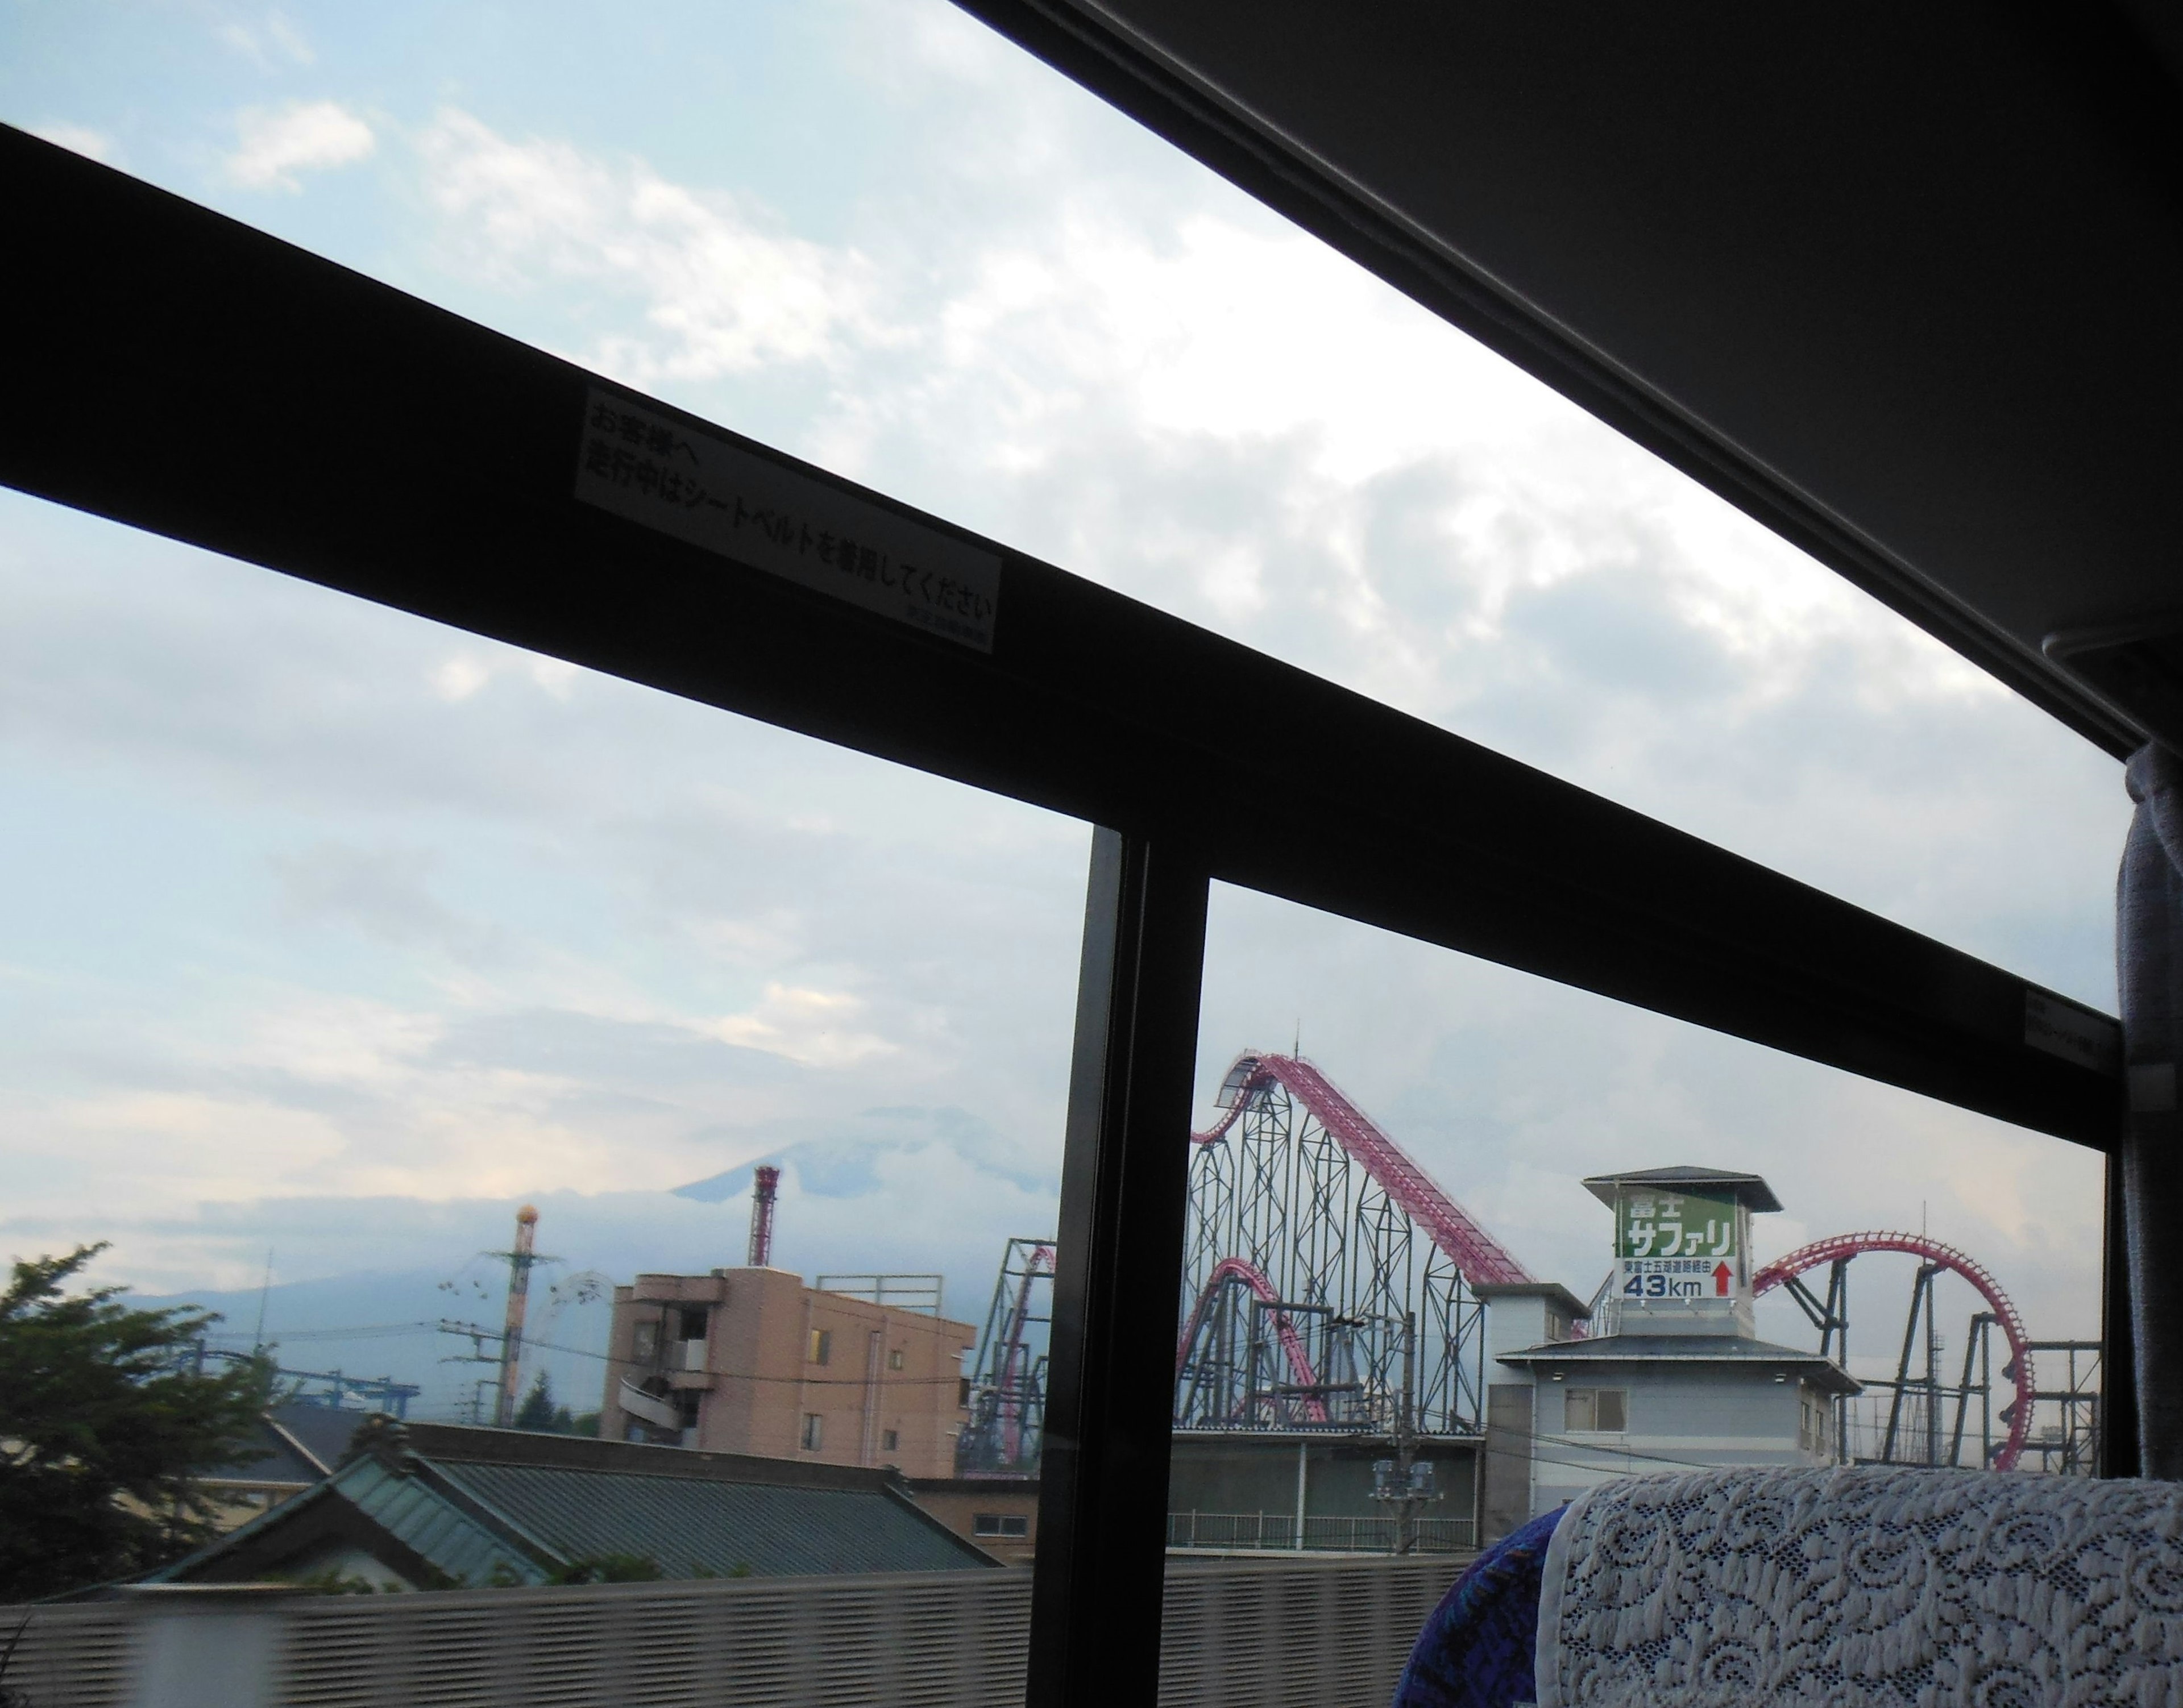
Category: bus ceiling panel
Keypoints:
(180, 372)
(1897, 280)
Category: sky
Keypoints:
(330, 933)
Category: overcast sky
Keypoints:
(331, 931)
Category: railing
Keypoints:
(1276, 1532)
(654, 1410)
(1237, 1633)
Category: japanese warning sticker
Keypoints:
(658, 472)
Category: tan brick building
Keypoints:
(752, 1360)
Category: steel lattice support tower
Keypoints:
(1312, 1240)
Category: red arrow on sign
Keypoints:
(1721, 1274)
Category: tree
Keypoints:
(539, 1412)
(107, 1425)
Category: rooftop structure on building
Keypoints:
(1750, 1190)
(427, 1506)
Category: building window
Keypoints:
(693, 1322)
(814, 1431)
(963, 1391)
(1812, 1423)
(686, 1404)
(894, 1359)
(822, 1345)
(1000, 1524)
(646, 1345)
(1601, 1411)
(890, 1440)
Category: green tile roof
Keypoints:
(686, 1523)
(486, 1506)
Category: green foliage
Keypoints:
(608, 1568)
(105, 1429)
(538, 1411)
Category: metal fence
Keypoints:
(1255, 1633)
(1276, 1532)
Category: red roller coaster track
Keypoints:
(1236, 1269)
(2018, 1370)
(1480, 1255)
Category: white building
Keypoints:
(1671, 1375)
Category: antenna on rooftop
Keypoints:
(765, 1182)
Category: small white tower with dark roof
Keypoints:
(1671, 1374)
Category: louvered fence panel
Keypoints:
(763, 1659)
(69, 1657)
(335, 1655)
(1186, 1660)
(656, 1651)
(1303, 1605)
(1329, 1633)
(1237, 1634)
(573, 1650)
(1357, 1638)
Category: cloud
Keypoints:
(386, 894)
(273, 145)
(81, 139)
(272, 44)
(717, 292)
(813, 1027)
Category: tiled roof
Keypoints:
(1746, 1189)
(447, 1533)
(294, 1444)
(687, 1524)
(321, 1431)
(499, 1506)
(269, 1457)
(1686, 1349)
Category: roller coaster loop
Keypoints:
(1842, 1247)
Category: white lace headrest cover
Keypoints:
(1868, 1586)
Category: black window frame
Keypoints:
(183, 374)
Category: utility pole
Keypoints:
(1405, 1482)
(1405, 1443)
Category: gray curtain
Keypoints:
(2149, 964)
